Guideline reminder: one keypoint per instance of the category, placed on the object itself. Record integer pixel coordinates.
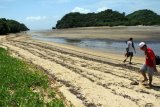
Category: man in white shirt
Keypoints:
(130, 48)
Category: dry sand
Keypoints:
(85, 77)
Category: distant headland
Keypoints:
(108, 18)
(11, 26)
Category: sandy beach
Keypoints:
(89, 78)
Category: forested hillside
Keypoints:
(11, 26)
(144, 17)
(108, 18)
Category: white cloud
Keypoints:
(102, 9)
(36, 18)
(81, 10)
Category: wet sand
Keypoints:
(121, 33)
(85, 77)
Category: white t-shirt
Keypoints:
(129, 45)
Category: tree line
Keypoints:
(108, 18)
(11, 26)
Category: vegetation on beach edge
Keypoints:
(22, 85)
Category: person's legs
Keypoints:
(126, 57)
(131, 55)
(144, 76)
(142, 70)
(150, 71)
(130, 60)
(150, 80)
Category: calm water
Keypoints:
(102, 45)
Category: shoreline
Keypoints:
(101, 39)
(121, 33)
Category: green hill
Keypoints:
(108, 18)
(144, 17)
(11, 26)
(104, 18)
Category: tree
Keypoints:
(11, 26)
(3, 26)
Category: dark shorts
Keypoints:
(129, 54)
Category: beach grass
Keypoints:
(23, 85)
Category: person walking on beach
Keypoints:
(129, 50)
(150, 63)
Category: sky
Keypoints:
(44, 14)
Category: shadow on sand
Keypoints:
(156, 87)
